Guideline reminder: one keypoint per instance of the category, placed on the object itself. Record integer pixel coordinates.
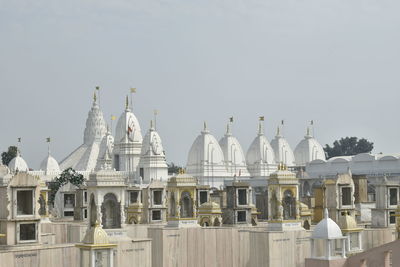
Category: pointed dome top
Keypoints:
(260, 150)
(283, 152)
(326, 228)
(308, 149)
(96, 126)
(152, 144)
(234, 158)
(49, 164)
(18, 164)
(96, 235)
(128, 128)
(205, 156)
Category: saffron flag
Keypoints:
(261, 118)
(113, 117)
(133, 90)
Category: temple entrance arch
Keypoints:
(186, 205)
(289, 205)
(111, 212)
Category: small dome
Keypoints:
(49, 164)
(18, 164)
(348, 224)
(96, 235)
(260, 155)
(206, 157)
(283, 152)
(308, 150)
(209, 207)
(326, 229)
(152, 144)
(96, 126)
(235, 160)
(128, 128)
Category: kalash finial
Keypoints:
(126, 102)
(94, 97)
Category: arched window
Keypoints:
(289, 205)
(111, 212)
(186, 205)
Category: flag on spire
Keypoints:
(231, 119)
(48, 139)
(133, 90)
(113, 118)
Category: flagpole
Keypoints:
(98, 93)
(155, 119)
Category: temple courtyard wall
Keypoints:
(161, 246)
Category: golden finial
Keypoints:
(126, 102)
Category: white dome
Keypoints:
(260, 156)
(105, 152)
(49, 164)
(4, 170)
(235, 160)
(283, 152)
(326, 229)
(152, 144)
(18, 164)
(308, 150)
(206, 157)
(128, 128)
(96, 126)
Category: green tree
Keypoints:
(68, 175)
(7, 156)
(172, 168)
(348, 146)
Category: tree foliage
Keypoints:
(7, 156)
(68, 175)
(348, 146)
(172, 168)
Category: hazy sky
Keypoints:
(334, 61)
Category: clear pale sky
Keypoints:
(333, 61)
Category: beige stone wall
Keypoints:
(65, 232)
(377, 236)
(220, 247)
(58, 255)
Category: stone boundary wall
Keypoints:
(41, 256)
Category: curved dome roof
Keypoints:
(283, 152)
(326, 229)
(260, 154)
(49, 164)
(18, 164)
(152, 144)
(308, 150)
(206, 157)
(235, 160)
(96, 126)
(128, 128)
(4, 170)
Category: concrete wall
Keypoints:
(56, 255)
(230, 246)
(66, 232)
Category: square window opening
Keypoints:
(203, 197)
(156, 215)
(157, 197)
(241, 216)
(27, 232)
(346, 196)
(242, 196)
(25, 202)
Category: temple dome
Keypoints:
(326, 229)
(49, 164)
(308, 149)
(206, 157)
(260, 156)
(128, 128)
(152, 144)
(96, 126)
(235, 160)
(283, 153)
(18, 164)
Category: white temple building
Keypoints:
(260, 156)
(283, 153)
(308, 149)
(86, 156)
